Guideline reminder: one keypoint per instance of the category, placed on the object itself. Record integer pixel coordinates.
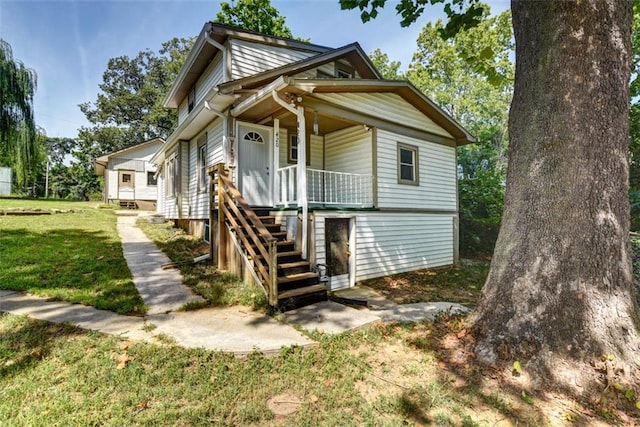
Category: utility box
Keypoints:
(5, 181)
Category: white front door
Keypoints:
(254, 161)
(126, 184)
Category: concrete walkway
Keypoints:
(230, 329)
(161, 290)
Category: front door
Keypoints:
(254, 160)
(338, 247)
(126, 184)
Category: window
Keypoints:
(191, 99)
(293, 149)
(202, 164)
(254, 137)
(344, 71)
(172, 177)
(151, 179)
(408, 164)
(126, 179)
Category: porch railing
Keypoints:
(325, 188)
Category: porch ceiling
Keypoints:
(266, 110)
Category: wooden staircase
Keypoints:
(287, 279)
(297, 284)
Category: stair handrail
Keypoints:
(230, 201)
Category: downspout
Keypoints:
(302, 169)
(221, 48)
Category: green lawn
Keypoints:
(74, 255)
(378, 376)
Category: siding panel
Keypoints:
(437, 173)
(392, 243)
(349, 150)
(388, 106)
(199, 200)
(249, 58)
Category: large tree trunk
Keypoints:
(560, 291)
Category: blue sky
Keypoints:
(69, 42)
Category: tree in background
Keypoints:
(129, 109)
(559, 298)
(18, 136)
(389, 69)
(254, 15)
(447, 72)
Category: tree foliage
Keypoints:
(463, 90)
(254, 15)
(389, 69)
(18, 136)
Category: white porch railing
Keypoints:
(325, 188)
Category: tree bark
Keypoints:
(560, 291)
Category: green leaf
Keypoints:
(526, 398)
(517, 367)
(638, 404)
(628, 394)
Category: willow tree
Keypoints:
(18, 142)
(559, 298)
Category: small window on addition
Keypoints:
(408, 164)
(191, 99)
(151, 179)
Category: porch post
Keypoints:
(302, 179)
(276, 162)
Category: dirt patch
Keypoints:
(284, 404)
(461, 284)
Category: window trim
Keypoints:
(155, 180)
(416, 162)
(290, 146)
(201, 163)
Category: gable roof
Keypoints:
(100, 163)
(311, 91)
(202, 52)
(352, 52)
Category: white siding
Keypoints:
(111, 184)
(388, 106)
(349, 150)
(134, 159)
(392, 243)
(212, 76)
(199, 200)
(249, 58)
(436, 171)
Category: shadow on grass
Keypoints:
(25, 342)
(73, 265)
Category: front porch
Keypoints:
(323, 188)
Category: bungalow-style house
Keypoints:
(129, 176)
(315, 172)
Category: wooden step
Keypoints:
(301, 291)
(288, 268)
(298, 277)
(267, 220)
(280, 235)
(291, 256)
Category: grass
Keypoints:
(217, 288)
(74, 256)
(60, 375)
